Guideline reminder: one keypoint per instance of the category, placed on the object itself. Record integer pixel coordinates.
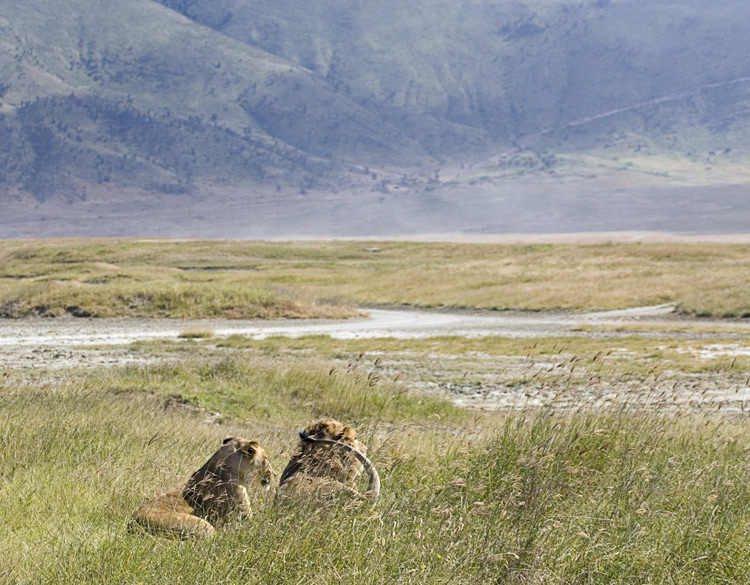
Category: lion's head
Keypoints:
(238, 463)
(243, 461)
(325, 460)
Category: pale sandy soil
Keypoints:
(560, 383)
(475, 380)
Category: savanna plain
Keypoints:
(608, 454)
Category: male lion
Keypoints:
(212, 495)
(327, 464)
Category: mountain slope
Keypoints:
(143, 97)
(380, 113)
(512, 69)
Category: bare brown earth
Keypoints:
(558, 380)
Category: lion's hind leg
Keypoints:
(170, 515)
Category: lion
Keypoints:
(213, 494)
(326, 464)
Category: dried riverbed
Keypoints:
(561, 380)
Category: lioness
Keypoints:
(326, 464)
(212, 495)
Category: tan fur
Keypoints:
(213, 494)
(325, 471)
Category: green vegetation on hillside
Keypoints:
(166, 97)
(235, 279)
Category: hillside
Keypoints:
(512, 69)
(261, 118)
(88, 101)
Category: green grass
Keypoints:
(622, 355)
(577, 495)
(276, 390)
(312, 279)
(621, 496)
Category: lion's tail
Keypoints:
(373, 487)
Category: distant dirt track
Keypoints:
(61, 342)
(34, 345)
(398, 323)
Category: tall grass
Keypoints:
(617, 496)
(247, 387)
(179, 300)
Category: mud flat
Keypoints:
(63, 342)
(395, 323)
(476, 379)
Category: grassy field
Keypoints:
(576, 491)
(235, 279)
(707, 372)
(530, 496)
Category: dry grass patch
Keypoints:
(197, 332)
(311, 279)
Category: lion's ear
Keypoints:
(226, 440)
(251, 448)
